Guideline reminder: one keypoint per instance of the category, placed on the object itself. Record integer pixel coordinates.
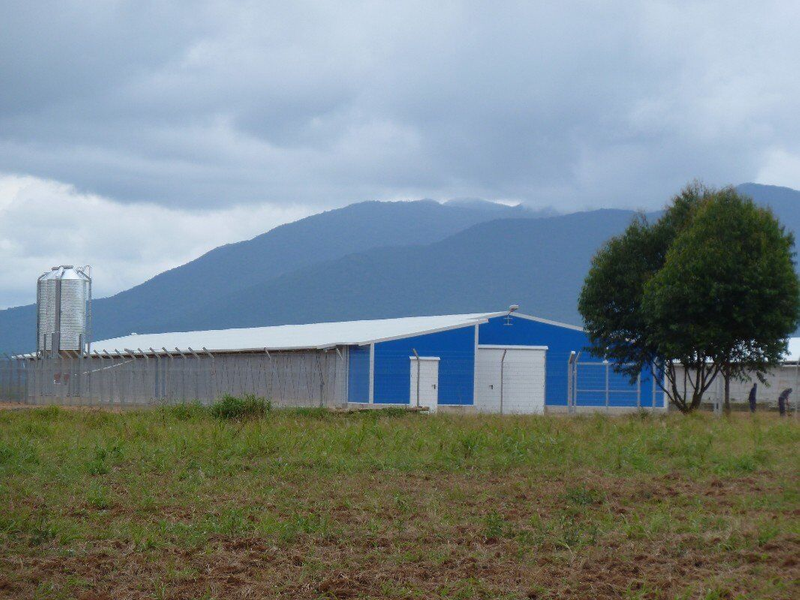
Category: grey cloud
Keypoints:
(573, 105)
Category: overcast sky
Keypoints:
(136, 135)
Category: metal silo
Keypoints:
(63, 312)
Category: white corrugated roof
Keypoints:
(317, 335)
(291, 337)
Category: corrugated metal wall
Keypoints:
(307, 378)
(454, 347)
(560, 342)
(358, 374)
(456, 350)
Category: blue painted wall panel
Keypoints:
(560, 342)
(456, 350)
(358, 376)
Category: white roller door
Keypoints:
(511, 385)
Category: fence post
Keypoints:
(267, 379)
(414, 350)
(37, 367)
(62, 392)
(183, 374)
(639, 390)
(12, 375)
(574, 407)
(212, 376)
(108, 374)
(35, 386)
(79, 379)
(157, 376)
(145, 374)
(653, 381)
(196, 374)
(118, 374)
(796, 387)
(22, 389)
(131, 385)
(169, 372)
(97, 381)
(570, 366)
(321, 377)
(5, 373)
(502, 377)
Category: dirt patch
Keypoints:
(155, 504)
(536, 540)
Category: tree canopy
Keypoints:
(710, 285)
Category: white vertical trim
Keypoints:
(346, 362)
(475, 369)
(544, 400)
(372, 373)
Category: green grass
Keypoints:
(191, 502)
(231, 408)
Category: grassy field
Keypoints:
(175, 503)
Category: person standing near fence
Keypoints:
(783, 400)
(752, 398)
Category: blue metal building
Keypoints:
(536, 362)
(494, 362)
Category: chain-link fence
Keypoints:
(594, 383)
(307, 378)
(525, 381)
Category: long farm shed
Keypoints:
(494, 362)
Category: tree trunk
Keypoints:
(727, 406)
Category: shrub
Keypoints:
(233, 408)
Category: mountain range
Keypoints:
(373, 260)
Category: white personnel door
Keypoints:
(427, 367)
(514, 385)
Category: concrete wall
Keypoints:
(778, 380)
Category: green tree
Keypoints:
(711, 286)
(728, 288)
